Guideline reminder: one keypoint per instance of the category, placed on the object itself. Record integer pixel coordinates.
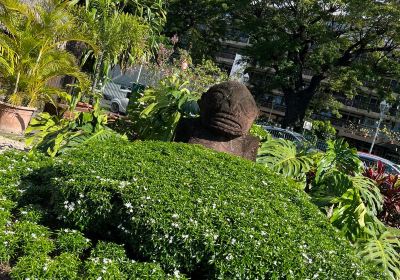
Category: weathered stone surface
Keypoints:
(227, 111)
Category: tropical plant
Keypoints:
(283, 157)
(355, 212)
(159, 110)
(351, 201)
(8, 59)
(54, 134)
(355, 203)
(154, 13)
(388, 185)
(382, 251)
(323, 130)
(339, 157)
(30, 47)
(259, 132)
(122, 38)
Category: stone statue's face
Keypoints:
(228, 107)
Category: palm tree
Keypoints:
(122, 38)
(31, 50)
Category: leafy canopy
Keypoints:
(315, 48)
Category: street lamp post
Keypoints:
(272, 108)
(384, 107)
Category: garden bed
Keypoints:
(191, 211)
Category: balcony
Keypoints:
(365, 133)
(370, 109)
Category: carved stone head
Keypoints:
(228, 108)
(227, 111)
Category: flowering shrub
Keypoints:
(71, 241)
(39, 252)
(197, 212)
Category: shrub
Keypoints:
(71, 241)
(259, 132)
(109, 261)
(195, 211)
(33, 239)
(63, 267)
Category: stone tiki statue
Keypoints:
(227, 111)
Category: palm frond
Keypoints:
(8, 59)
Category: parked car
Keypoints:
(277, 132)
(120, 95)
(297, 138)
(370, 160)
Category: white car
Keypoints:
(370, 160)
(119, 95)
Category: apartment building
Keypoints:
(360, 115)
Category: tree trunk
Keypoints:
(298, 101)
(17, 83)
(97, 71)
(297, 104)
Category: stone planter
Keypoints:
(14, 119)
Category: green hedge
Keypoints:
(197, 212)
(33, 243)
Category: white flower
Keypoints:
(175, 225)
(229, 257)
(176, 273)
(175, 216)
(33, 235)
(233, 241)
(128, 205)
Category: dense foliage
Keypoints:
(317, 48)
(200, 25)
(53, 134)
(122, 38)
(389, 187)
(352, 201)
(192, 210)
(30, 53)
(39, 247)
(155, 113)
